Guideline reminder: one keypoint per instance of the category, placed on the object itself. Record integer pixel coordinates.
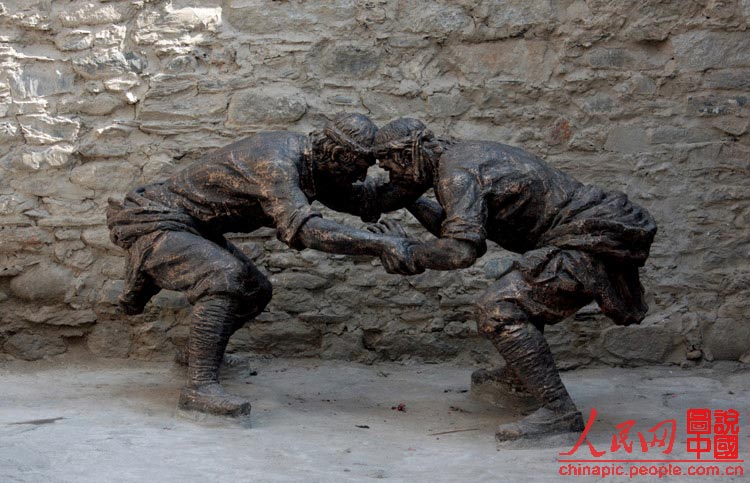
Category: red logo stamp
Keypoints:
(712, 437)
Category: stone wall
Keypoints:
(648, 96)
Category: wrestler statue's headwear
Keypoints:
(353, 133)
(407, 134)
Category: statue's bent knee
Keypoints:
(494, 316)
(255, 294)
(250, 290)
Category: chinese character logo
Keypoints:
(709, 432)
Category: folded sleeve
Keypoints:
(465, 210)
(284, 201)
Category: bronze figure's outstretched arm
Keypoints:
(332, 237)
(329, 236)
(429, 213)
(444, 254)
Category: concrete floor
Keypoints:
(321, 421)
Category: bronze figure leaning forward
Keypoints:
(579, 244)
(173, 233)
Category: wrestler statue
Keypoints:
(579, 244)
(173, 233)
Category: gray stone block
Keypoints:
(441, 20)
(386, 106)
(346, 346)
(430, 346)
(728, 339)
(16, 203)
(278, 338)
(435, 280)
(732, 79)
(99, 238)
(639, 343)
(258, 17)
(179, 108)
(448, 105)
(105, 175)
(111, 141)
(31, 347)
(40, 158)
(335, 316)
(93, 105)
(103, 64)
(711, 105)
(736, 126)
(41, 79)
(297, 280)
(519, 13)
(703, 49)
(266, 106)
(518, 60)
(627, 139)
(293, 301)
(46, 129)
(46, 282)
(74, 40)
(90, 14)
(59, 316)
(347, 60)
(110, 291)
(109, 338)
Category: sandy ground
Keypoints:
(320, 421)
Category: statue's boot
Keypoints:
(542, 422)
(213, 320)
(213, 399)
(526, 351)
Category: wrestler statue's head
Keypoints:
(343, 149)
(408, 151)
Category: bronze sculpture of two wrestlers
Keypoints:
(578, 243)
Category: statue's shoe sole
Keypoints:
(542, 423)
(200, 406)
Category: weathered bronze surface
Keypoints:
(579, 244)
(173, 233)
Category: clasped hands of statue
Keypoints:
(398, 257)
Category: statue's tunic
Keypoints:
(258, 181)
(575, 238)
(246, 185)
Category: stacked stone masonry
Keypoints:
(645, 96)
